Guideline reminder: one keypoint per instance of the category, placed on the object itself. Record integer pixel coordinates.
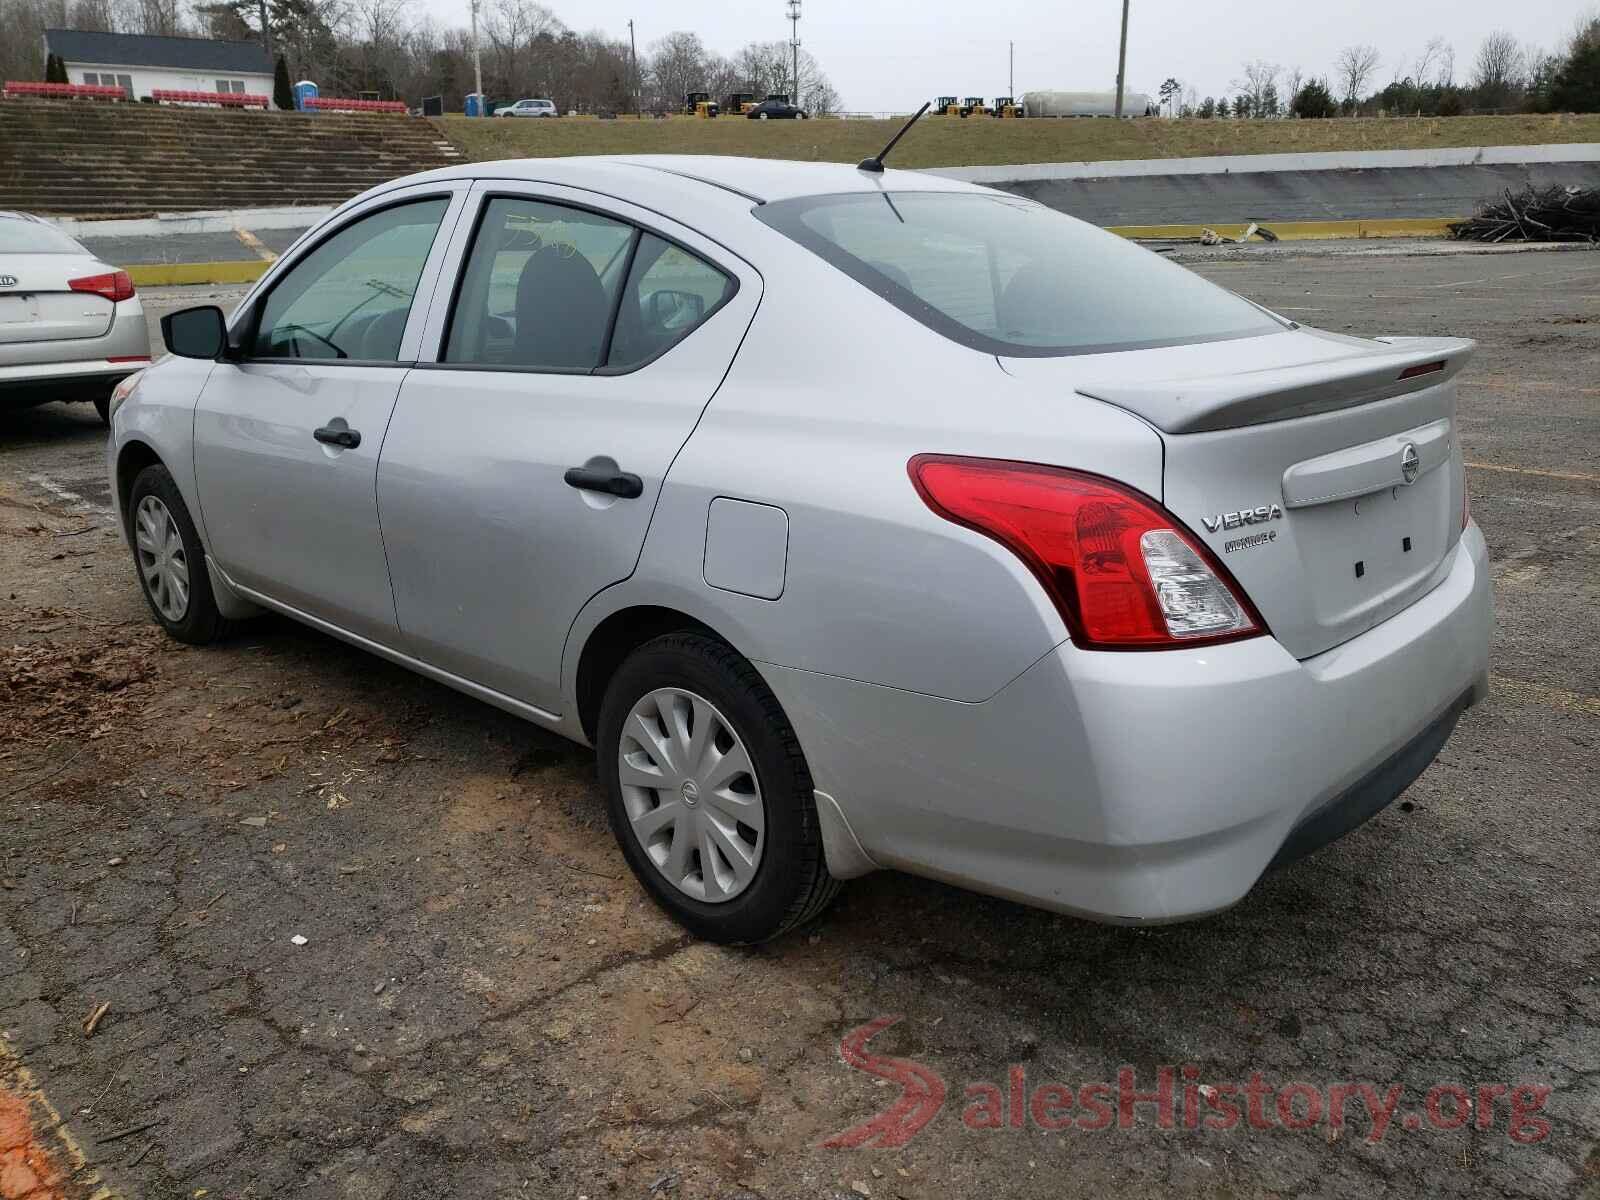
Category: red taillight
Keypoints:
(1121, 570)
(113, 285)
(1422, 369)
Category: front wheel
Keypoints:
(170, 559)
(762, 116)
(708, 792)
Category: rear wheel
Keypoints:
(170, 559)
(762, 116)
(708, 792)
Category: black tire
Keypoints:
(792, 884)
(201, 622)
(102, 405)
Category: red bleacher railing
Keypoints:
(228, 99)
(345, 105)
(85, 91)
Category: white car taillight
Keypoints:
(1121, 570)
(1194, 602)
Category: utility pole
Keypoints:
(477, 62)
(794, 47)
(633, 49)
(266, 29)
(1122, 56)
(1011, 71)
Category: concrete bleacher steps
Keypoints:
(82, 158)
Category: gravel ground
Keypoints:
(486, 1004)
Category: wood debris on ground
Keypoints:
(1552, 214)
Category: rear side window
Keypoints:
(669, 292)
(1011, 277)
(553, 288)
(540, 286)
(350, 297)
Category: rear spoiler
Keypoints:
(1201, 405)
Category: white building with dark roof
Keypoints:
(139, 63)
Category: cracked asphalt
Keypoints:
(485, 1004)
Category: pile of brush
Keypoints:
(1556, 214)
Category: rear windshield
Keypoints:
(34, 237)
(1007, 276)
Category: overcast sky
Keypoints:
(893, 54)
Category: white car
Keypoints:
(529, 108)
(71, 326)
(860, 519)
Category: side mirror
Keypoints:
(675, 310)
(196, 332)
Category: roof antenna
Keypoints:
(875, 163)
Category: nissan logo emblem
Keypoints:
(1410, 463)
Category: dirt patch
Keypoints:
(28, 1169)
(50, 690)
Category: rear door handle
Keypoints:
(338, 435)
(611, 482)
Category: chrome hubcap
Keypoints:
(691, 794)
(162, 561)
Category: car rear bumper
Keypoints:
(64, 381)
(77, 368)
(1149, 786)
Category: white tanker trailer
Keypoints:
(1085, 104)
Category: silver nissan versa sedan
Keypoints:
(71, 326)
(858, 518)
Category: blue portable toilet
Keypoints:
(475, 104)
(303, 91)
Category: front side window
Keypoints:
(1011, 277)
(540, 287)
(350, 297)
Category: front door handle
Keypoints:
(338, 434)
(610, 481)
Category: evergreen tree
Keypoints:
(55, 69)
(282, 93)
(1314, 101)
(1577, 84)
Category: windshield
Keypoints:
(34, 237)
(1007, 276)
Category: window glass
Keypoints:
(540, 286)
(18, 236)
(1007, 276)
(125, 82)
(669, 293)
(349, 297)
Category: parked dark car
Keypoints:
(777, 110)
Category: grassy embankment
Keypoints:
(950, 141)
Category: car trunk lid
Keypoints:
(39, 307)
(1325, 476)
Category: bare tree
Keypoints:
(1291, 87)
(677, 67)
(1498, 70)
(1428, 61)
(1260, 76)
(1354, 67)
